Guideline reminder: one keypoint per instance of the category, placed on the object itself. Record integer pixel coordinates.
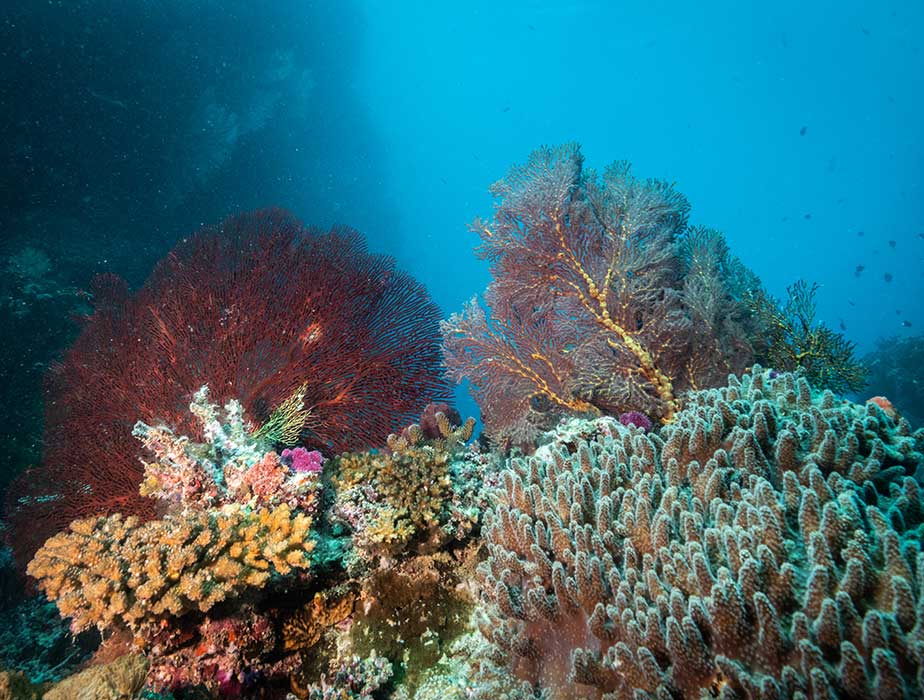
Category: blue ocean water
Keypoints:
(792, 127)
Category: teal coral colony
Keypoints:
(672, 499)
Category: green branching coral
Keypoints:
(421, 488)
(794, 340)
(408, 488)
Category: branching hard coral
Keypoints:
(767, 544)
(388, 498)
(411, 490)
(792, 339)
(115, 572)
(587, 306)
(440, 427)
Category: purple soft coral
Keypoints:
(301, 460)
(635, 419)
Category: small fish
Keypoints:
(803, 130)
(531, 27)
(906, 323)
(891, 244)
(898, 312)
(843, 325)
(858, 270)
(859, 233)
(851, 302)
(921, 236)
(108, 100)
(864, 30)
(807, 216)
(887, 277)
(506, 109)
(786, 218)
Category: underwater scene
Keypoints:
(487, 350)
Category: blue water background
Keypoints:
(791, 126)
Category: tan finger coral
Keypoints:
(766, 545)
(114, 571)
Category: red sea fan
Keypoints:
(254, 307)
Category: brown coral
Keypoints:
(121, 679)
(304, 628)
(118, 572)
(766, 545)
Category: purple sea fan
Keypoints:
(636, 419)
(301, 460)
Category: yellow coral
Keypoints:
(112, 571)
(287, 420)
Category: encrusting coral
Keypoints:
(117, 572)
(121, 679)
(304, 629)
(765, 545)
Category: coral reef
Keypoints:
(228, 654)
(766, 544)
(257, 307)
(791, 339)
(235, 465)
(602, 299)
(896, 370)
(116, 572)
(355, 679)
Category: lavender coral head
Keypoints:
(636, 419)
(301, 460)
